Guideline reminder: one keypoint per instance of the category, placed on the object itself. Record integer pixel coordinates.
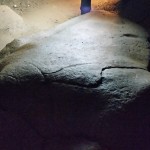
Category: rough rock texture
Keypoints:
(110, 5)
(86, 78)
(11, 25)
(20, 6)
(135, 10)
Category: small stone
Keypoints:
(15, 6)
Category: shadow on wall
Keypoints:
(136, 10)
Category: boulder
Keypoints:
(86, 78)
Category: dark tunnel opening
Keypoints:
(85, 6)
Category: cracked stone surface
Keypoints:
(86, 78)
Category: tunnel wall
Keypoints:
(22, 5)
(136, 10)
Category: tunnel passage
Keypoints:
(85, 6)
(94, 88)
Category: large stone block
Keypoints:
(86, 78)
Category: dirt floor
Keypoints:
(30, 16)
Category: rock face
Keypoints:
(87, 78)
(136, 10)
(20, 6)
(12, 25)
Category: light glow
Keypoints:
(108, 5)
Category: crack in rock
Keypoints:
(117, 67)
(122, 67)
(95, 85)
(98, 82)
(74, 65)
(40, 71)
